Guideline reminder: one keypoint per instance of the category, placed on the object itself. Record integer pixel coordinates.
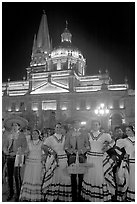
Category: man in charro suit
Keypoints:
(14, 144)
(76, 141)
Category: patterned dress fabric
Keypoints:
(94, 186)
(56, 184)
(126, 173)
(31, 186)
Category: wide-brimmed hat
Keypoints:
(15, 119)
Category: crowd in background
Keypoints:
(37, 161)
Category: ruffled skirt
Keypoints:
(126, 184)
(31, 186)
(56, 184)
(94, 186)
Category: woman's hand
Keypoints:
(26, 153)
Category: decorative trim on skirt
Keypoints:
(56, 183)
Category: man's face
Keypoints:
(76, 125)
(95, 125)
(118, 133)
(15, 127)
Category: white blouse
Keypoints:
(97, 141)
(56, 143)
(128, 144)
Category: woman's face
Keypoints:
(35, 135)
(129, 132)
(58, 129)
(95, 125)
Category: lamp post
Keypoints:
(102, 111)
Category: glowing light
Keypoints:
(9, 109)
(102, 105)
(87, 78)
(35, 108)
(49, 88)
(88, 107)
(96, 111)
(77, 108)
(17, 109)
(101, 111)
(118, 87)
(17, 93)
(64, 108)
(121, 106)
(107, 111)
(123, 120)
(87, 88)
(83, 123)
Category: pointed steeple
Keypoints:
(43, 40)
(66, 35)
(41, 44)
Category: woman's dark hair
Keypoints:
(131, 127)
(39, 133)
(58, 124)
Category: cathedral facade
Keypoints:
(57, 89)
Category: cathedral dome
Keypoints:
(66, 56)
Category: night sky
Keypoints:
(103, 32)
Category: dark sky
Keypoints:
(103, 32)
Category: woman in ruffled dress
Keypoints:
(126, 173)
(56, 184)
(31, 186)
(94, 186)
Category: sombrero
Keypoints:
(15, 119)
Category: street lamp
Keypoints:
(101, 110)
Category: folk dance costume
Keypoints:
(14, 147)
(94, 186)
(31, 186)
(126, 173)
(56, 184)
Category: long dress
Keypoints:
(31, 186)
(129, 145)
(94, 186)
(56, 183)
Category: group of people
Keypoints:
(109, 161)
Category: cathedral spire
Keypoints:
(34, 44)
(43, 40)
(41, 44)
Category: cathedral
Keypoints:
(56, 88)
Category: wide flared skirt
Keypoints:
(131, 188)
(57, 183)
(128, 193)
(31, 186)
(94, 187)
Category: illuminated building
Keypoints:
(56, 87)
